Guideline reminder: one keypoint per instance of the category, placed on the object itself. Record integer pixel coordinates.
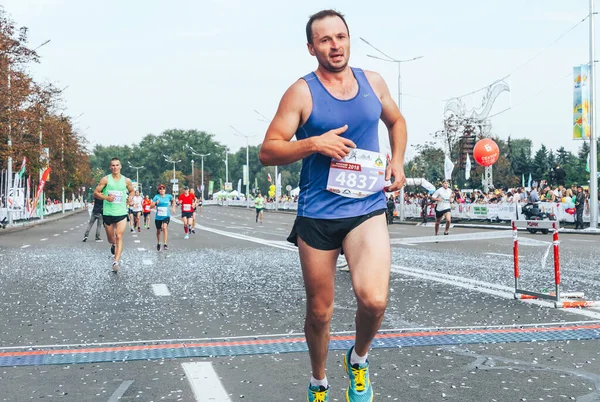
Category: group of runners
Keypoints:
(116, 202)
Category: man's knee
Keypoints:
(319, 316)
(373, 304)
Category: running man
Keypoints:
(187, 201)
(443, 197)
(115, 190)
(259, 204)
(162, 202)
(136, 207)
(146, 209)
(334, 113)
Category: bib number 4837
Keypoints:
(354, 180)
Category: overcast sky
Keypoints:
(139, 67)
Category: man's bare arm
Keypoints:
(98, 191)
(277, 148)
(396, 125)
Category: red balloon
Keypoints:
(486, 152)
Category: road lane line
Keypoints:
(502, 291)
(160, 289)
(204, 381)
(499, 254)
(44, 239)
(147, 262)
(120, 391)
(55, 234)
(141, 249)
(25, 246)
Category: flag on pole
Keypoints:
(468, 168)
(239, 189)
(255, 183)
(19, 175)
(269, 177)
(448, 167)
(529, 181)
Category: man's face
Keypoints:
(331, 43)
(137, 193)
(115, 167)
(162, 191)
(445, 184)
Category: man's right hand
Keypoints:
(110, 198)
(331, 143)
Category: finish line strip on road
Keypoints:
(297, 344)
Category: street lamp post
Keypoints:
(169, 160)
(239, 134)
(265, 119)
(201, 166)
(593, 136)
(399, 63)
(137, 173)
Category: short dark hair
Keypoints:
(319, 16)
(115, 159)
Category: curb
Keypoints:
(37, 223)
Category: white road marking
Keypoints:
(506, 292)
(204, 381)
(137, 241)
(56, 234)
(499, 254)
(147, 262)
(160, 289)
(44, 239)
(65, 231)
(133, 235)
(141, 249)
(25, 246)
(120, 391)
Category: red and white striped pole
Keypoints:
(556, 263)
(515, 254)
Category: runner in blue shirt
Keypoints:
(162, 202)
(334, 113)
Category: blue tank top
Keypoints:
(361, 114)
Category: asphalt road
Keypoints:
(235, 280)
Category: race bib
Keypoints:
(118, 196)
(187, 207)
(161, 211)
(358, 175)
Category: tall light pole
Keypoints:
(202, 166)
(265, 119)
(137, 173)
(239, 134)
(389, 59)
(593, 137)
(169, 160)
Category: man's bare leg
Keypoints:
(119, 230)
(367, 250)
(437, 225)
(318, 271)
(448, 221)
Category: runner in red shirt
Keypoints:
(186, 200)
(146, 208)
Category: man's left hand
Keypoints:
(395, 170)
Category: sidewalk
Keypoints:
(17, 227)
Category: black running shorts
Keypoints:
(187, 214)
(159, 222)
(439, 214)
(326, 234)
(110, 220)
